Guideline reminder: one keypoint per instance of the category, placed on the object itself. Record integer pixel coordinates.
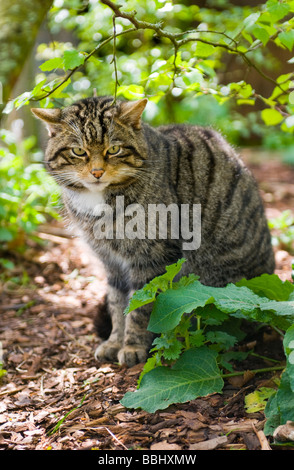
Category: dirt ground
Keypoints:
(56, 396)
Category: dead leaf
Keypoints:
(241, 380)
(164, 445)
(285, 432)
(211, 444)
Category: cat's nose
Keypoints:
(97, 172)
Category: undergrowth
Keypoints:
(28, 195)
(197, 327)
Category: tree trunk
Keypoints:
(20, 21)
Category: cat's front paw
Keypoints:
(107, 351)
(132, 354)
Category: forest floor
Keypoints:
(56, 396)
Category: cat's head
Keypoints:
(95, 143)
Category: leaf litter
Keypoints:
(55, 395)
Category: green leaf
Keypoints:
(72, 59)
(6, 263)
(197, 338)
(173, 351)
(287, 39)
(250, 20)
(195, 374)
(52, 64)
(232, 298)
(261, 34)
(170, 347)
(60, 89)
(280, 407)
(271, 117)
(185, 281)
(131, 92)
(222, 338)
(270, 286)
(272, 415)
(288, 344)
(170, 305)
(285, 308)
(204, 50)
(148, 293)
(150, 364)
(277, 10)
(285, 398)
(5, 234)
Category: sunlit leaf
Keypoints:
(271, 117)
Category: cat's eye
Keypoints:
(114, 150)
(78, 152)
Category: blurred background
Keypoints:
(233, 71)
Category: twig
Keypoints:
(262, 439)
(72, 71)
(254, 371)
(157, 27)
(114, 60)
(115, 438)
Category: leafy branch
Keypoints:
(173, 37)
(195, 73)
(87, 57)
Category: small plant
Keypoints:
(28, 195)
(197, 326)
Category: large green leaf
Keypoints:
(170, 305)
(280, 407)
(195, 374)
(289, 351)
(270, 286)
(277, 9)
(231, 298)
(52, 64)
(72, 59)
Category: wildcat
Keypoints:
(98, 149)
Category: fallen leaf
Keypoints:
(285, 432)
(211, 444)
(164, 445)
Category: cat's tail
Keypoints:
(102, 320)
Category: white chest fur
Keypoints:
(86, 202)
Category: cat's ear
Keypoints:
(131, 112)
(51, 117)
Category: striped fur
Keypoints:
(170, 164)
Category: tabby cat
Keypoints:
(99, 150)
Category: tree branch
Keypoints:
(158, 29)
(72, 71)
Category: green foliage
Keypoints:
(280, 407)
(27, 193)
(175, 54)
(282, 228)
(197, 328)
